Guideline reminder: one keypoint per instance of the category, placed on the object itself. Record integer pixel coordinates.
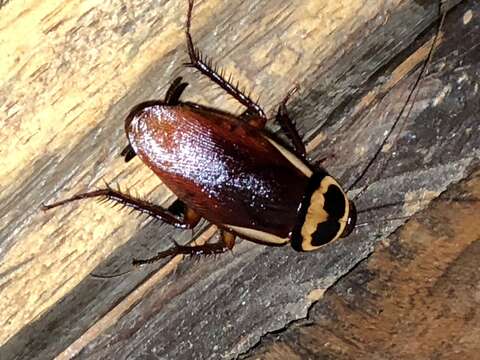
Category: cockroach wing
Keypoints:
(229, 172)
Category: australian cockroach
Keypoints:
(229, 170)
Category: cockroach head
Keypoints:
(325, 215)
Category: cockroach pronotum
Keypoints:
(229, 170)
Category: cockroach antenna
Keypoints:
(231, 171)
(410, 101)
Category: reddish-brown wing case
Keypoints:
(226, 170)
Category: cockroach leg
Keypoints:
(205, 67)
(227, 238)
(175, 91)
(324, 158)
(191, 217)
(196, 250)
(227, 242)
(128, 153)
(178, 207)
(288, 126)
(253, 119)
(189, 220)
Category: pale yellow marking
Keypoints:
(294, 160)
(259, 235)
(316, 214)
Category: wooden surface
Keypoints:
(73, 69)
(417, 296)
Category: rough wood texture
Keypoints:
(417, 296)
(71, 72)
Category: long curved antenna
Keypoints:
(111, 276)
(387, 205)
(411, 96)
(363, 224)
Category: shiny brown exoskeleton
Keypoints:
(230, 171)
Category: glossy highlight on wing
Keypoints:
(224, 169)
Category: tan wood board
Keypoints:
(73, 70)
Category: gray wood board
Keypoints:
(220, 307)
(413, 298)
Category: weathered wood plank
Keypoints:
(105, 58)
(415, 298)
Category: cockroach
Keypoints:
(231, 171)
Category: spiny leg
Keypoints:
(227, 241)
(253, 119)
(206, 68)
(288, 126)
(190, 218)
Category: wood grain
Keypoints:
(72, 71)
(416, 297)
